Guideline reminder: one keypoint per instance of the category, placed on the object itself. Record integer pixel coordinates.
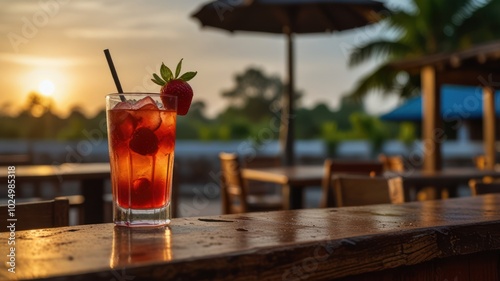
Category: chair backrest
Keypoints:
(335, 167)
(261, 161)
(16, 159)
(362, 190)
(233, 187)
(39, 214)
(392, 163)
(482, 162)
(479, 162)
(479, 188)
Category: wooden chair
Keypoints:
(235, 196)
(76, 201)
(332, 167)
(364, 190)
(392, 163)
(480, 161)
(41, 214)
(261, 161)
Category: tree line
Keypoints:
(253, 112)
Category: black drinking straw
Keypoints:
(113, 72)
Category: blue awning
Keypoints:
(457, 102)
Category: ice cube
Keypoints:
(122, 125)
(159, 104)
(147, 114)
(144, 102)
(123, 105)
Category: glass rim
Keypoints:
(169, 102)
(139, 94)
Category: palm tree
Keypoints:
(428, 27)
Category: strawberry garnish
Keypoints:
(176, 86)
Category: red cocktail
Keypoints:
(141, 134)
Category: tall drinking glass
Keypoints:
(141, 137)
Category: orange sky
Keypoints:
(62, 42)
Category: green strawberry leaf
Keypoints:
(158, 80)
(178, 69)
(165, 72)
(188, 75)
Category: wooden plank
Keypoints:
(471, 76)
(483, 266)
(310, 244)
(475, 55)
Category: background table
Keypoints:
(450, 179)
(295, 178)
(92, 177)
(292, 178)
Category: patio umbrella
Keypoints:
(289, 17)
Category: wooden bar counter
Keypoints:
(454, 239)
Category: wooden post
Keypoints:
(287, 130)
(432, 133)
(489, 126)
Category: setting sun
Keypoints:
(46, 88)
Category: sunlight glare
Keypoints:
(46, 88)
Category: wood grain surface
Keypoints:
(430, 238)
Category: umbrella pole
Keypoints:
(287, 111)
